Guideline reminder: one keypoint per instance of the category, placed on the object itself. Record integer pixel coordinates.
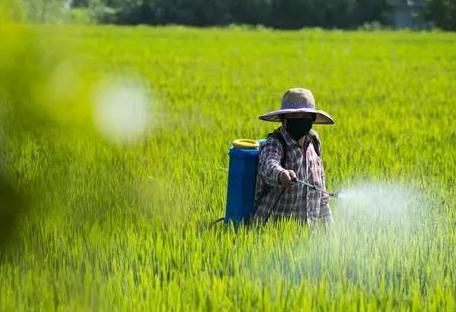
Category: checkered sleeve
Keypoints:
(269, 162)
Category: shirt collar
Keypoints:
(292, 142)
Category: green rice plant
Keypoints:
(124, 224)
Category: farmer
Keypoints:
(293, 152)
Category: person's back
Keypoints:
(293, 152)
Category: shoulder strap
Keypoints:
(316, 142)
(281, 139)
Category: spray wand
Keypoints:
(295, 180)
(332, 194)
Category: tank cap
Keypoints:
(246, 143)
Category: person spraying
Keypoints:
(291, 182)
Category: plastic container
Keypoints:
(241, 183)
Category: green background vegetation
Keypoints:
(126, 225)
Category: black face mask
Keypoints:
(297, 127)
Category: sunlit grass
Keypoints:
(126, 224)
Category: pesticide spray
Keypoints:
(379, 229)
(379, 203)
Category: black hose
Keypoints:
(216, 221)
(273, 206)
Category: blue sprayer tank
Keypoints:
(242, 173)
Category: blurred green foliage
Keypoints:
(46, 11)
(42, 11)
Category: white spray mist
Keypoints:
(379, 229)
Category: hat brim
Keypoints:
(322, 117)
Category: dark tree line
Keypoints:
(442, 13)
(286, 14)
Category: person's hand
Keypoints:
(287, 177)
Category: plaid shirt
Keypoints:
(297, 200)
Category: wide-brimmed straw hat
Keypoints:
(298, 100)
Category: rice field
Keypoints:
(114, 157)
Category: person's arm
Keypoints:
(269, 161)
